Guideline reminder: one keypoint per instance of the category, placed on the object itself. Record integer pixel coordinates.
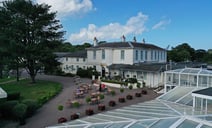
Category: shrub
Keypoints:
(32, 106)
(113, 92)
(76, 104)
(131, 80)
(19, 112)
(121, 90)
(42, 100)
(62, 120)
(7, 107)
(89, 112)
(112, 103)
(129, 97)
(88, 99)
(130, 87)
(121, 99)
(101, 96)
(13, 96)
(138, 85)
(60, 107)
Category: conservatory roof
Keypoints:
(3, 94)
(197, 71)
(151, 114)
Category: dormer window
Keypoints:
(122, 54)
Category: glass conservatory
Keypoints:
(189, 77)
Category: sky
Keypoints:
(160, 22)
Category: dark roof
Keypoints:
(153, 67)
(79, 54)
(126, 45)
(207, 91)
(149, 67)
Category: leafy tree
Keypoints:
(200, 55)
(182, 52)
(32, 32)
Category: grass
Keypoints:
(5, 79)
(41, 91)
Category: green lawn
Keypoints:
(5, 79)
(41, 91)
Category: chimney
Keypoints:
(134, 39)
(95, 41)
(123, 39)
(143, 41)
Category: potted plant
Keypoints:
(121, 90)
(88, 99)
(137, 94)
(129, 97)
(113, 93)
(112, 103)
(144, 91)
(74, 116)
(130, 87)
(62, 120)
(89, 112)
(121, 99)
(101, 107)
(138, 85)
(76, 104)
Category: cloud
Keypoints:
(161, 24)
(134, 25)
(69, 7)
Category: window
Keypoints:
(146, 55)
(151, 55)
(77, 59)
(66, 58)
(122, 54)
(136, 55)
(83, 59)
(142, 58)
(103, 54)
(94, 54)
(155, 55)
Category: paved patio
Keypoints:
(49, 114)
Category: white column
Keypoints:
(201, 103)
(197, 80)
(194, 102)
(179, 80)
(206, 106)
(164, 82)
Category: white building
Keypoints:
(105, 56)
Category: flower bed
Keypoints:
(74, 116)
(62, 120)
(137, 94)
(121, 99)
(129, 97)
(144, 92)
(112, 103)
(89, 112)
(101, 107)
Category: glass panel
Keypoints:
(205, 126)
(164, 123)
(119, 125)
(188, 124)
(142, 124)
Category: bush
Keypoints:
(19, 112)
(88, 99)
(7, 107)
(101, 96)
(130, 87)
(13, 96)
(138, 85)
(60, 107)
(76, 104)
(32, 106)
(113, 92)
(131, 80)
(121, 90)
(62, 120)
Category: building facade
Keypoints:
(103, 57)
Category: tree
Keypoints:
(32, 31)
(182, 52)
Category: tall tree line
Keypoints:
(184, 52)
